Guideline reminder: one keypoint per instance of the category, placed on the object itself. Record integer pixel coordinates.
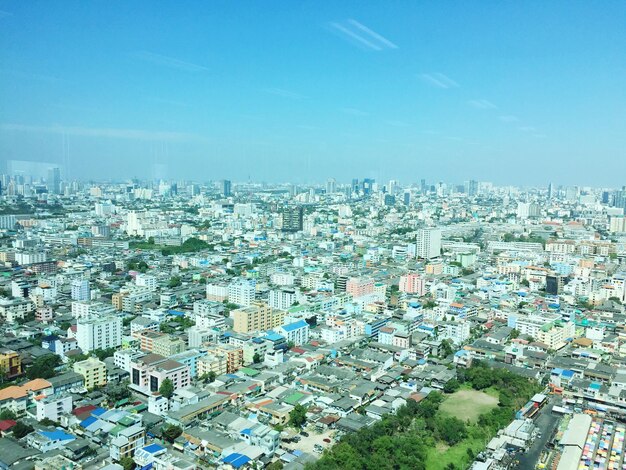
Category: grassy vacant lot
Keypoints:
(457, 454)
(467, 404)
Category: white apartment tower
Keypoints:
(428, 241)
(99, 333)
(80, 290)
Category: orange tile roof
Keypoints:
(14, 392)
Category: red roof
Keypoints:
(7, 424)
(83, 409)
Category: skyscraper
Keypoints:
(550, 191)
(54, 180)
(226, 184)
(331, 186)
(472, 189)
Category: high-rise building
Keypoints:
(407, 198)
(472, 188)
(282, 298)
(368, 186)
(54, 180)
(412, 283)
(355, 185)
(257, 317)
(331, 186)
(428, 243)
(292, 218)
(392, 186)
(619, 198)
(226, 188)
(98, 333)
(550, 191)
(242, 292)
(80, 289)
(423, 187)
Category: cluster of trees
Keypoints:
(176, 323)
(44, 367)
(396, 441)
(191, 245)
(117, 391)
(137, 265)
(406, 439)
(513, 390)
(509, 237)
(21, 430)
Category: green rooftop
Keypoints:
(249, 372)
(294, 398)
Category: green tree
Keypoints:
(167, 388)
(446, 347)
(128, 463)
(174, 282)
(43, 367)
(209, 377)
(451, 430)
(117, 392)
(20, 430)
(102, 354)
(48, 422)
(257, 358)
(171, 432)
(451, 386)
(7, 414)
(297, 416)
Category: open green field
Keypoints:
(439, 459)
(467, 404)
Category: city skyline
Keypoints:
(284, 92)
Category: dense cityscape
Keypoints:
(312, 235)
(186, 325)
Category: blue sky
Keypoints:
(503, 91)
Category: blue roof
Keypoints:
(568, 373)
(274, 336)
(153, 448)
(88, 422)
(57, 435)
(246, 431)
(176, 313)
(98, 411)
(295, 326)
(237, 460)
